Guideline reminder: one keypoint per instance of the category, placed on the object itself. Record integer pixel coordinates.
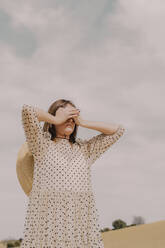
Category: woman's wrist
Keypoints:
(56, 121)
(83, 123)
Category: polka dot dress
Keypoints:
(61, 210)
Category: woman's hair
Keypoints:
(48, 127)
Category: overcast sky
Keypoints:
(108, 57)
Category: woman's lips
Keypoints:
(69, 125)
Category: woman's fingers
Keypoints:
(73, 115)
(74, 110)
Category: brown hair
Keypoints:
(48, 127)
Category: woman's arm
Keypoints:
(35, 136)
(33, 131)
(97, 145)
(102, 127)
(61, 115)
(31, 117)
(45, 116)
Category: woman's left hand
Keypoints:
(78, 120)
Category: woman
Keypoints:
(61, 210)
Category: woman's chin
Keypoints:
(68, 130)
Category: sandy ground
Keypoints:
(150, 235)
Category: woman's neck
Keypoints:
(62, 136)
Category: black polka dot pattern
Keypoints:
(94, 147)
(37, 140)
(61, 211)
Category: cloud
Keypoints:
(21, 38)
(108, 57)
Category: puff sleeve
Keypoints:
(35, 136)
(99, 144)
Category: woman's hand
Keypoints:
(63, 114)
(78, 120)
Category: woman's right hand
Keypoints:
(63, 114)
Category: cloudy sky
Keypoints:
(108, 57)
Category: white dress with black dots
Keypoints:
(61, 210)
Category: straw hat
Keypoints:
(24, 168)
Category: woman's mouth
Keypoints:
(69, 125)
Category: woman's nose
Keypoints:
(70, 120)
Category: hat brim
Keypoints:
(24, 168)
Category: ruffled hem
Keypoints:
(59, 219)
(64, 244)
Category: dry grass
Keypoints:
(150, 235)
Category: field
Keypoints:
(150, 235)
